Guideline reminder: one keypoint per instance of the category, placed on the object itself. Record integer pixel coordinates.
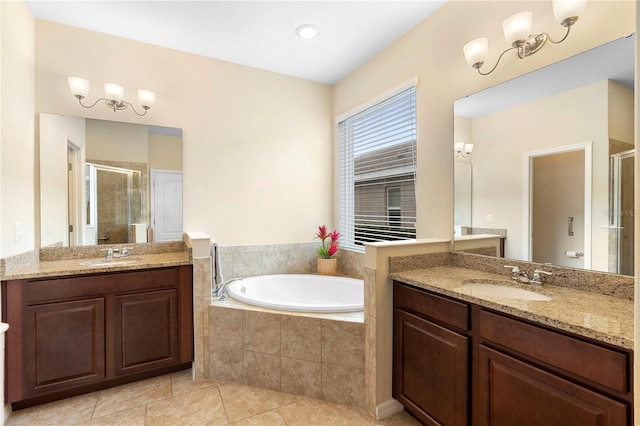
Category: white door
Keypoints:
(166, 205)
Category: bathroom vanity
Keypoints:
(95, 327)
(467, 359)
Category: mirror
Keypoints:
(107, 182)
(552, 164)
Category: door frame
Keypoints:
(527, 217)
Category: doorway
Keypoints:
(558, 202)
(166, 205)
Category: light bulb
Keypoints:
(517, 28)
(475, 51)
(114, 92)
(146, 98)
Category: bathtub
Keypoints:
(301, 293)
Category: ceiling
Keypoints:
(259, 34)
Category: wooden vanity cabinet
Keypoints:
(431, 353)
(76, 334)
(515, 372)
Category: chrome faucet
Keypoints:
(518, 275)
(220, 291)
(537, 278)
(110, 251)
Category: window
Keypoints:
(377, 172)
(394, 206)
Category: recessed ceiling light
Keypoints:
(307, 31)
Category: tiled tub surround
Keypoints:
(590, 304)
(314, 355)
(295, 258)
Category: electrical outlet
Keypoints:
(48, 226)
(17, 231)
(489, 218)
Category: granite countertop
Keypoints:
(605, 318)
(78, 266)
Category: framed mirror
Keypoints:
(107, 182)
(551, 169)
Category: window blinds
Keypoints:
(377, 172)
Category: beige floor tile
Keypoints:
(181, 383)
(270, 418)
(67, 411)
(399, 419)
(131, 417)
(242, 401)
(309, 412)
(201, 407)
(132, 395)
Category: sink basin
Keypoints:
(108, 262)
(501, 291)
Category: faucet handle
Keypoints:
(515, 271)
(124, 251)
(109, 251)
(537, 278)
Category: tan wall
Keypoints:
(501, 140)
(257, 150)
(165, 152)
(621, 114)
(113, 141)
(56, 132)
(17, 151)
(432, 51)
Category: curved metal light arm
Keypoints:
(496, 65)
(115, 106)
(562, 39)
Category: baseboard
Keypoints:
(6, 413)
(388, 408)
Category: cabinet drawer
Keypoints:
(595, 363)
(438, 308)
(47, 290)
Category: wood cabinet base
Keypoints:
(77, 334)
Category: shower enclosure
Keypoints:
(113, 202)
(621, 212)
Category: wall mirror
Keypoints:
(552, 163)
(108, 182)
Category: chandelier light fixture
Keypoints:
(462, 149)
(517, 32)
(114, 96)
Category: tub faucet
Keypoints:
(220, 291)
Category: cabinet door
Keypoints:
(512, 392)
(145, 331)
(64, 345)
(430, 370)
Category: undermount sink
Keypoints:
(501, 291)
(108, 262)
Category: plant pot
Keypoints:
(327, 266)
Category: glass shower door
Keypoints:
(621, 240)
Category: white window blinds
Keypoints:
(377, 172)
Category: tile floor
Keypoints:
(174, 399)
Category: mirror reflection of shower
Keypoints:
(621, 215)
(114, 202)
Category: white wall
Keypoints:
(17, 151)
(257, 149)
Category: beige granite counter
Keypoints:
(78, 261)
(601, 317)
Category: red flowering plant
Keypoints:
(329, 242)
